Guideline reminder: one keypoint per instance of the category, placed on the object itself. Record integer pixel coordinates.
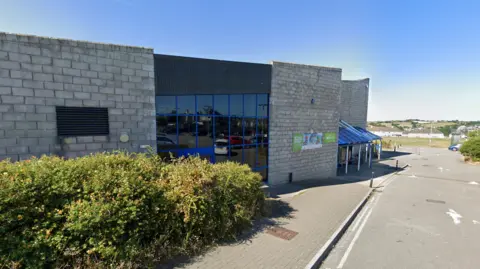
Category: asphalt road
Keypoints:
(427, 216)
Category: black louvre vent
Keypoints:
(82, 121)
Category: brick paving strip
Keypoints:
(316, 213)
(305, 218)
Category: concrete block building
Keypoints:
(71, 98)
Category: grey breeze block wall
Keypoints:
(38, 73)
(354, 102)
(291, 111)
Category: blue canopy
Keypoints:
(368, 134)
(349, 135)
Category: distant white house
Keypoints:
(425, 133)
(385, 131)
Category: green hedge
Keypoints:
(471, 149)
(107, 210)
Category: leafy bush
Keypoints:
(474, 133)
(471, 149)
(107, 210)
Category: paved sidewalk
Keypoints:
(314, 209)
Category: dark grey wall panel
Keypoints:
(176, 75)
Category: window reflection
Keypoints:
(205, 131)
(167, 125)
(166, 132)
(221, 127)
(165, 105)
(249, 153)
(250, 103)
(186, 104)
(262, 105)
(232, 127)
(221, 105)
(221, 145)
(187, 130)
(262, 129)
(249, 125)
(236, 105)
(236, 132)
(204, 104)
(262, 156)
(236, 154)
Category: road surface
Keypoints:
(427, 216)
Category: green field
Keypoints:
(389, 142)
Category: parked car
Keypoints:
(237, 141)
(221, 147)
(163, 140)
(455, 147)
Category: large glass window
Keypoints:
(215, 127)
(250, 103)
(166, 132)
(186, 104)
(205, 104)
(236, 105)
(236, 127)
(221, 128)
(165, 105)
(262, 105)
(205, 131)
(221, 105)
(187, 130)
(262, 131)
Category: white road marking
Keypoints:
(361, 215)
(455, 216)
(336, 234)
(413, 176)
(441, 169)
(473, 183)
(357, 234)
(476, 222)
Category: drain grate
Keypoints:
(282, 233)
(435, 201)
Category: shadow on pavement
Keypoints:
(392, 154)
(378, 169)
(275, 213)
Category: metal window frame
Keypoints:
(229, 116)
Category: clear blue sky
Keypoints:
(423, 57)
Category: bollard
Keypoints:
(396, 166)
(371, 180)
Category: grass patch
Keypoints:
(390, 142)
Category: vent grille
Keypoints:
(82, 121)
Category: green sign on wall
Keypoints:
(329, 137)
(297, 142)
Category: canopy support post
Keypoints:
(359, 157)
(346, 161)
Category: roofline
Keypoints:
(336, 69)
(206, 59)
(28, 38)
(356, 80)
